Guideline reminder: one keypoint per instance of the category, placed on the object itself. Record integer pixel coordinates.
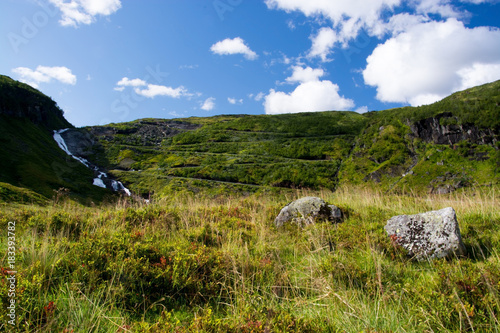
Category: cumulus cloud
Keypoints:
(209, 104)
(375, 17)
(310, 95)
(307, 74)
(432, 60)
(322, 43)
(75, 12)
(362, 109)
(307, 97)
(347, 16)
(441, 7)
(126, 82)
(44, 74)
(145, 89)
(154, 90)
(233, 46)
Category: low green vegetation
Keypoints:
(201, 254)
(286, 151)
(217, 264)
(313, 150)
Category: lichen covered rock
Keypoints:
(308, 210)
(429, 235)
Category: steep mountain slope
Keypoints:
(31, 158)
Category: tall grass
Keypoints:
(215, 264)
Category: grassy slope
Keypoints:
(386, 149)
(253, 153)
(313, 150)
(291, 151)
(31, 158)
(194, 264)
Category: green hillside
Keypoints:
(388, 148)
(290, 151)
(439, 148)
(215, 261)
(314, 150)
(31, 158)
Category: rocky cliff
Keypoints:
(20, 100)
(445, 129)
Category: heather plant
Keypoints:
(218, 264)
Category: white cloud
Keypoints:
(400, 23)
(154, 90)
(257, 97)
(478, 74)
(433, 59)
(151, 90)
(303, 75)
(322, 43)
(126, 82)
(260, 96)
(234, 101)
(362, 109)
(45, 74)
(209, 104)
(309, 96)
(75, 12)
(233, 46)
(347, 16)
(441, 7)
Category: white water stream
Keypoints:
(116, 185)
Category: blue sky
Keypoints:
(108, 61)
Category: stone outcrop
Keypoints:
(429, 235)
(442, 130)
(79, 142)
(144, 132)
(308, 210)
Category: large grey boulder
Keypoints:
(428, 235)
(306, 211)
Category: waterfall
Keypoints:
(99, 180)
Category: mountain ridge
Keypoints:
(438, 148)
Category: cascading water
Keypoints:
(99, 180)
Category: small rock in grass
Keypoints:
(308, 210)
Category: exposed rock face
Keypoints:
(145, 132)
(428, 235)
(308, 210)
(79, 142)
(431, 130)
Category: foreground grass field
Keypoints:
(205, 264)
